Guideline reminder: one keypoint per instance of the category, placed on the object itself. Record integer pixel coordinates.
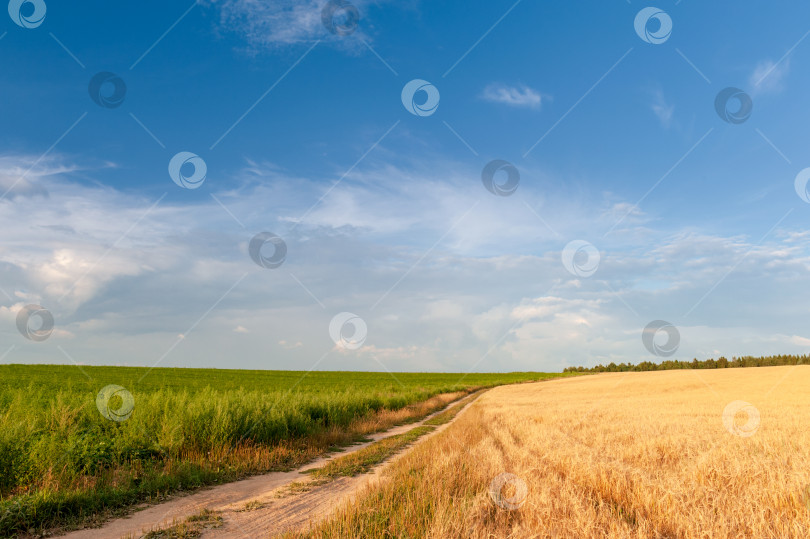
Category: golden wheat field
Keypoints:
(693, 453)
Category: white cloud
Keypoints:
(800, 341)
(283, 22)
(19, 175)
(769, 77)
(554, 308)
(492, 287)
(662, 109)
(444, 309)
(514, 96)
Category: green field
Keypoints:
(63, 463)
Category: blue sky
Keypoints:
(304, 134)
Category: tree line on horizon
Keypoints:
(720, 363)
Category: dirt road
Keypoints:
(267, 514)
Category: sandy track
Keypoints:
(277, 515)
(299, 511)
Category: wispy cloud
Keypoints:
(494, 286)
(514, 96)
(769, 77)
(662, 109)
(280, 23)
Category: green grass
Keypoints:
(62, 463)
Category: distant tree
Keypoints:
(721, 363)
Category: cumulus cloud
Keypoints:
(514, 96)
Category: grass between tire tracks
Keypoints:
(192, 527)
(364, 460)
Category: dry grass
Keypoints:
(615, 455)
(253, 505)
(365, 459)
(193, 526)
(386, 419)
